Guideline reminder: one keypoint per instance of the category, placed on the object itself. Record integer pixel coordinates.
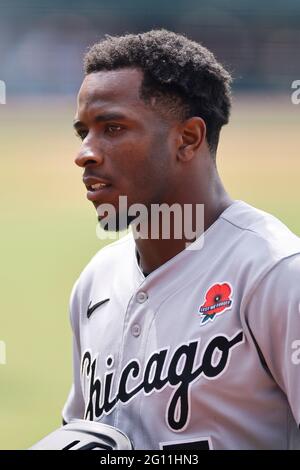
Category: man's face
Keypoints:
(125, 142)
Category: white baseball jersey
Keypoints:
(202, 353)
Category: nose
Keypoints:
(87, 156)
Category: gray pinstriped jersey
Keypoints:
(203, 352)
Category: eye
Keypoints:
(81, 134)
(113, 129)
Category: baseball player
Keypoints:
(179, 346)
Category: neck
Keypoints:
(155, 252)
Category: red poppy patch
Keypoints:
(217, 300)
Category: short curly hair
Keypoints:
(184, 76)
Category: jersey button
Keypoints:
(136, 330)
(141, 297)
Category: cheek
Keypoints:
(130, 160)
(140, 165)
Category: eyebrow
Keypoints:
(100, 118)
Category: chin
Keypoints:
(115, 224)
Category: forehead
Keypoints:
(103, 88)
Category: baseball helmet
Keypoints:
(85, 435)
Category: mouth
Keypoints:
(96, 188)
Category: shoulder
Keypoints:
(274, 303)
(107, 259)
(280, 285)
(111, 252)
(260, 234)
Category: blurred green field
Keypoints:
(48, 235)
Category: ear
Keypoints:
(192, 137)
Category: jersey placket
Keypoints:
(137, 323)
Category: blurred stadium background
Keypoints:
(48, 227)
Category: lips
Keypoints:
(96, 187)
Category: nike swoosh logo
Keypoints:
(90, 309)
